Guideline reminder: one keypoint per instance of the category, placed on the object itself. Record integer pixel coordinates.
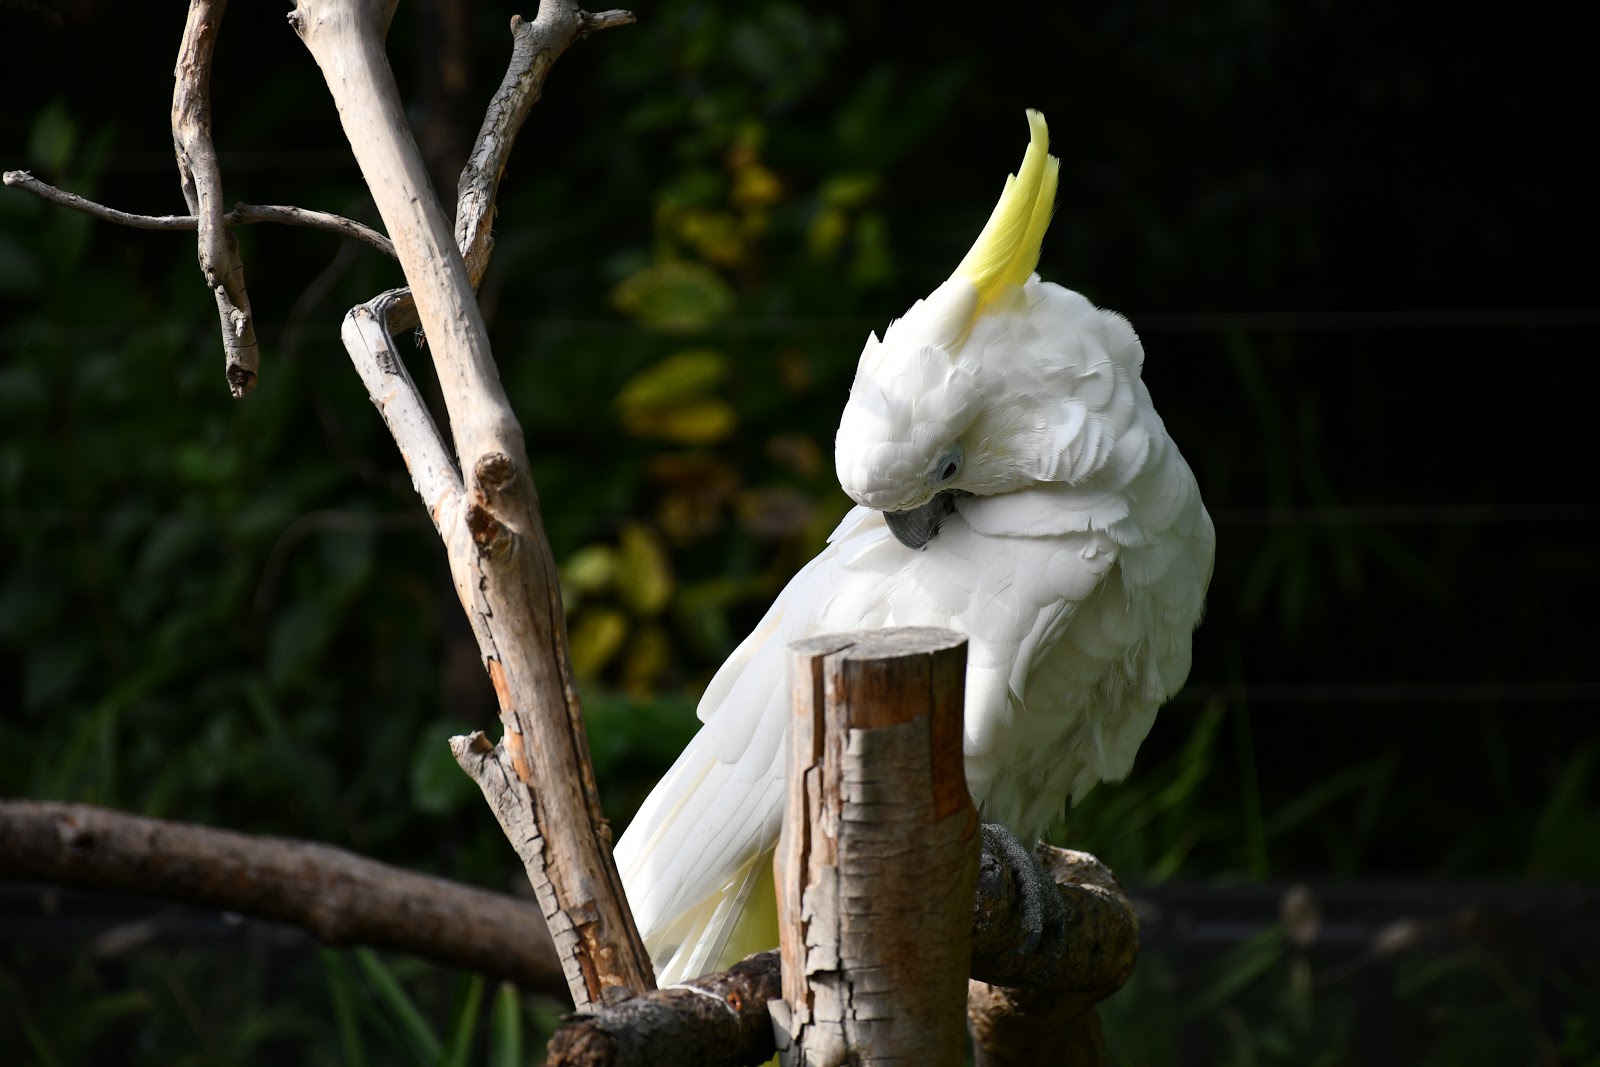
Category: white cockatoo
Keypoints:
(1014, 483)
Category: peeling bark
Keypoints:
(879, 855)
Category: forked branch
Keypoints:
(538, 778)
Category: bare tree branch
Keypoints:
(287, 215)
(499, 556)
(241, 215)
(535, 48)
(367, 338)
(201, 178)
(337, 896)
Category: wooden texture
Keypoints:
(535, 48)
(538, 779)
(878, 859)
(338, 897)
(1103, 939)
(201, 178)
(717, 1020)
(1024, 1013)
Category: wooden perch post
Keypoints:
(1030, 1016)
(878, 860)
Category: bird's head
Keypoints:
(905, 444)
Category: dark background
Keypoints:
(1356, 238)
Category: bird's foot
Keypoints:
(1042, 918)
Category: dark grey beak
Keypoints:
(915, 527)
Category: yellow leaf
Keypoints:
(714, 234)
(684, 376)
(590, 569)
(755, 186)
(849, 190)
(595, 638)
(826, 231)
(698, 422)
(649, 653)
(674, 295)
(644, 576)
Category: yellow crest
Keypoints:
(1007, 250)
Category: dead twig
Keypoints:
(201, 178)
(241, 215)
(535, 48)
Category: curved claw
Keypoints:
(1042, 917)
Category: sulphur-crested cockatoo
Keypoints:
(1016, 484)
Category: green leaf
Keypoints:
(342, 993)
(466, 1022)
(505, 1028)
(420, 1038)
(1237, 969)
(849, 190)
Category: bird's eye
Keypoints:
(947, 466)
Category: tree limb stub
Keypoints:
(240, 215)
(499, 557)
(201, 178)
(1102, 944)
(337, 896)
(878, 860)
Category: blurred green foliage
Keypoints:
(237, 613)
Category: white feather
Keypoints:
(1077, 570)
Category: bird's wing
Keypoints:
(1110, 597)
(690, 856)
(1058, 694)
